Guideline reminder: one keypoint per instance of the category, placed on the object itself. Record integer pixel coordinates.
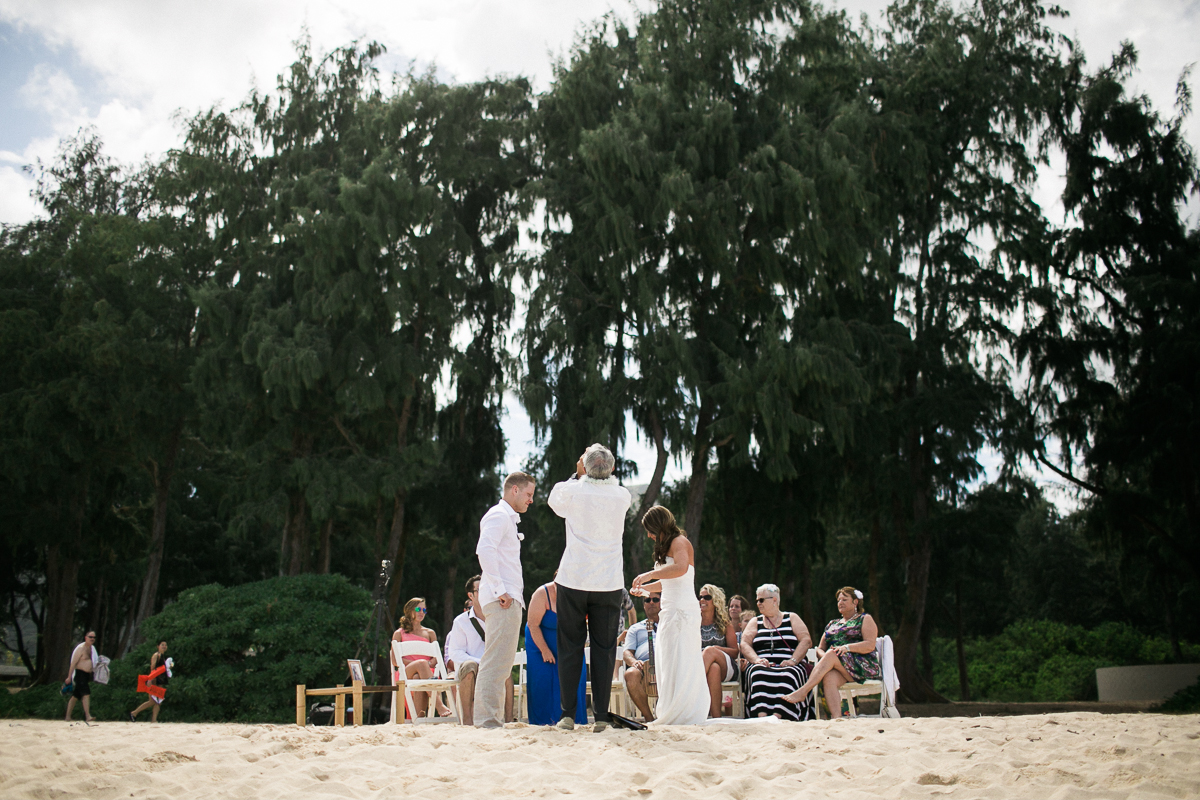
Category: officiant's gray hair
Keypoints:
(598, 462)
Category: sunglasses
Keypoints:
(653, 600)
(706, 597)
(422, 609)
(764, 599)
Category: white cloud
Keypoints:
(15, 203)
(51, 91)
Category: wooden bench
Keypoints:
(356, 690)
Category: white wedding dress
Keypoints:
(682, 689)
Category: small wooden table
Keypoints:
(357, 690)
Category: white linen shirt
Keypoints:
(464, 643)
(499, 552)
(595, 515)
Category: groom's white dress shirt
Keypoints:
(595, 514)
(499, 552)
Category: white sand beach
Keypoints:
(1074, 755)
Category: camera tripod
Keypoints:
(376, 669)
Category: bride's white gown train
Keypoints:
(682, 689)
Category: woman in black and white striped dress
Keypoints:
(776, 644)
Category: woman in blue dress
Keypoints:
(541, 648)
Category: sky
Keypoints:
(134, 70)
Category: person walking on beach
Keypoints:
(501, 594)
(153, 703)
(591, 577)
(83, 662)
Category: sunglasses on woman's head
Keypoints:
(706, 597)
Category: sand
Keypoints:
(1053, 755)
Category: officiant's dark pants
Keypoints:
(579, 613)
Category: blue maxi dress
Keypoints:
(545, 702)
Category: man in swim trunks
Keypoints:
(82, 663)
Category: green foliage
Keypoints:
(1047, 661)
(1185, 701)
(238, 651)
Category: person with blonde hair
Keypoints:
(417, 667)
(846, 652)
(718, 640)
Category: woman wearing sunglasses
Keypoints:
(418, 667)
(718, 638)
(776, 643)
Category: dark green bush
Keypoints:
(1046, 661)
(239, 652)
(1185, 701)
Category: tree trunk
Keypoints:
(917, 551)
(395, 551)
(62, 585)
(964, 685)
(380, 523)
(326, 552)
(298, 524)
(876, 597)
(162, 475)
(660, 468)
(449, 610)
(694, 515)
(806, 602)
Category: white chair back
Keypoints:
(424, 650)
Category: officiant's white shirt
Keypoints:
(499, 552)
(595, 514)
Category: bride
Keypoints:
(682, 690)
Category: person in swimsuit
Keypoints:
(153, 703)
(418, 667)
(82, 664)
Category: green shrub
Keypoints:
(1046, 661)
(1185, 701)
(239, 652)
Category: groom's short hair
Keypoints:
(519, 479)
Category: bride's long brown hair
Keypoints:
(660, 522)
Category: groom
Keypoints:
(590, 577)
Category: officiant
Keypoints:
(590, 577)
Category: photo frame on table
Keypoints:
(356, 670)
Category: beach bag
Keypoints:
(320, 714)
(101, 673)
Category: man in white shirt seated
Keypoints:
(637, 655)
(464, 649)
(591, 577)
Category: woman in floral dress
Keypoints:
(846, 652)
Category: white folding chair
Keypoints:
(887, 700)
(440, 682)
(520, 696)
(616, 687)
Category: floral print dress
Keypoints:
(861, 666)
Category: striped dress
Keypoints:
(764, 685)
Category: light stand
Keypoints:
(380, 616)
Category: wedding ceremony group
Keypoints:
(685, 649)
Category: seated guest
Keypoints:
(636, 654)
(775, 643)
(739, 606)
(718, 640)
(541, 665)
(417, 667)
(464, 648)
(846, 652)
